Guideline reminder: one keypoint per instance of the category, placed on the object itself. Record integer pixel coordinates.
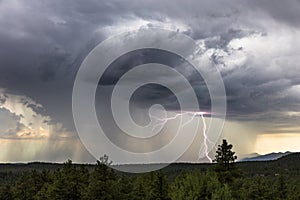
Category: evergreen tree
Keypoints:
(194, 185)
(222, 193)
(281, 187)
(6, 192)
(125, 187)
(67, 183)
(225, 156)
(257, 188)
(225, 167)
(158, 187)
(103, 182)
(141, 188)
(28, 185)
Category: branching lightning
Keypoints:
(162, 121)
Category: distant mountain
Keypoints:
(290, 163)
(270, 156)
(246, 156)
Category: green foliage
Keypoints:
(71, 181)
(225, 167)
(6, 192)
(225, 156)
(158, 187)
(222, 193)
(125, 187)
(141, 188)
(66, 184)
(29, 185)
(103, 183)
(189, 186)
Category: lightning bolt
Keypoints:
(205, 139)
(162, 121)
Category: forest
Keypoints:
(226, 179)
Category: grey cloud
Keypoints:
(282, 11)
(224, 38)
(8, 120)
(43, 45)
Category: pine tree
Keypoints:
(281, 187)
(140, 188)
(6, 192)
(159, 187)
(222, 193)
(28, 185)
(225, 167)
(225, 156)
(103, 182)
(67, 183)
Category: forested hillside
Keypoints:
(278, 179)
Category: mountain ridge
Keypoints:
(266, 157)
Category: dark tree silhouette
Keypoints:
(225, 159)
(262, 180)
(225, 156)
(104, 160)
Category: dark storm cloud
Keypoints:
(42, 46)
(153, 93)
(44, 42)
(279, 10)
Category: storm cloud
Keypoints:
(254, 44)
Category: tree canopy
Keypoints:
(222, 180)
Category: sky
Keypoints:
(254, 44)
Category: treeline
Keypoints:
(222, 181)
(104, 183)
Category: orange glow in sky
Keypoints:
(267, 143)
